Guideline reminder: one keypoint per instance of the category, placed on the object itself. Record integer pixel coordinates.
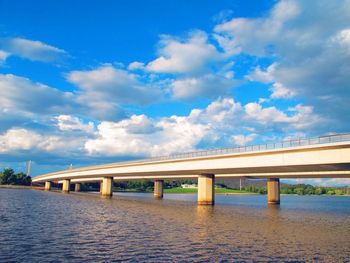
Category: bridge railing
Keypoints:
(258, 147)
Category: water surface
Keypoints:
(53, 227)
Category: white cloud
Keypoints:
(343, 38)
(71, 123)
(277, 89)
(17, 139)
(242, 140)
(3, 56)
(105, 88)
(224, 122)
(166, 136)
(264, 76)
(32, 50)
(136, 65)
(280, 91)
(22, 96)
(252, 35)
(184, 56)
(209, 86)
(309, 44)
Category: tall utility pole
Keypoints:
(240, 184)
(29, 167)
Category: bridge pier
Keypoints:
(107, 187)
(48, 186)
(206, 189)
(273, 191)
(77, 187)
(66, 186)
(158, 189)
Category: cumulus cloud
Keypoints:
(136, 65)
(188, 56)
(105, 88)
(25, 97)
(208, 86)
(224, 122)
(32, 50)
(278, 90)
(17, 139)
(71, 123)
(166, 136)
(311, 57)
(252, 36)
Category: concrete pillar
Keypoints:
(66, 186)
(48, 186)
(158, 189)
(77, 187)
(107, 187)
(101, 183)
(273, 191)
(206, 189)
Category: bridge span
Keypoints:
(322, 157)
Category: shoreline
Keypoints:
(10, 186)
(41, 188)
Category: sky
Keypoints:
(90, 82)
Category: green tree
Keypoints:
(299, 191)
(330, 192)
(8, 176)
(338, 192)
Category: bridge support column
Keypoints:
(158, 189)
(77, 187)
(48, 186)
(273, 191)
(206, 189)
(66, 186)
(107, 187)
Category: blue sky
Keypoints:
(87, 82)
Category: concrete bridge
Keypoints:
(322, 157)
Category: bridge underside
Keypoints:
(287, 172)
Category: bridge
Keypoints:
(322, 157)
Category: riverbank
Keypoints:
(22, 187)
(175, 190)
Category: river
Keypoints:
(39, 226)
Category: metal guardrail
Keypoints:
(258, 147)
(242, 149)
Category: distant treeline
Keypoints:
(302, 189)
(138, 186)
(299, 189)
(9, 177)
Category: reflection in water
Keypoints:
(273, 211)
(46, 226)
